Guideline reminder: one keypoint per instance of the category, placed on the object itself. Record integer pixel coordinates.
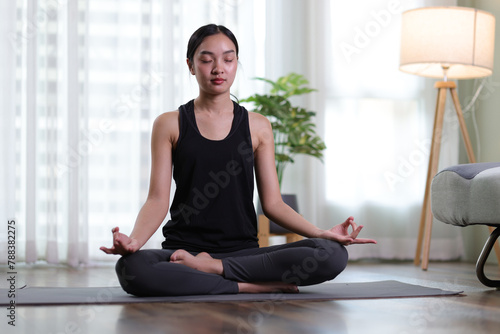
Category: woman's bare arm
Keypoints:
(164, 137)
(267, 181)
(270, 196)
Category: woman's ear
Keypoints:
(190, 65)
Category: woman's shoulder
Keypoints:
(168, 116)
(258, 118)
(260, 129)
(258, 121)
(167, 119)
(167, 123)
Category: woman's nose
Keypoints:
(217, 67)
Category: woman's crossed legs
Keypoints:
(164, 272)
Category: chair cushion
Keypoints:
(467, 194)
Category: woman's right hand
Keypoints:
(122, 244)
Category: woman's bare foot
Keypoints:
(266, 287)
(202, 262)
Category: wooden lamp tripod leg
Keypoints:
(426, 215)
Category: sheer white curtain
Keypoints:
(377, 124)
(82, 82)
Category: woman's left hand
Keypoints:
(340, 233)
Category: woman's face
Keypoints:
(214, 64)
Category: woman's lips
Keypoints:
(218, 81)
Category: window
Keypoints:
(85, 92)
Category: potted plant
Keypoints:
(293, 127)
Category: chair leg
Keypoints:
(263, 231)
(482, 260)
(292, 237)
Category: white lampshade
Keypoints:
(460, 38)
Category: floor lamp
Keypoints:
(445, 43)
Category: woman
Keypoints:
(212, 146)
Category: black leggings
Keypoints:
(306, 262)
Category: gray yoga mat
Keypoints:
(325, 291)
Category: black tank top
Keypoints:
(213, 208)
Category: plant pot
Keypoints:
(291, 200)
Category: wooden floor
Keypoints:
(476, 311)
